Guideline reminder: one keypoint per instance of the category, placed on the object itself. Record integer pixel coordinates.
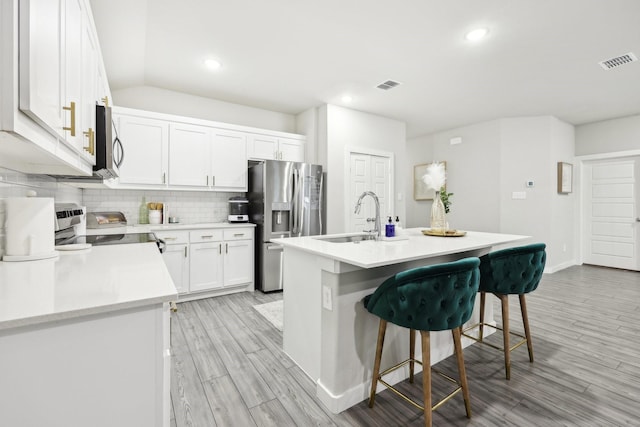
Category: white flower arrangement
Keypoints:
(435, 177)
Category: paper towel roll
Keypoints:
(29, 228)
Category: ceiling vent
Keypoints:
(618, 61)
(389, 84)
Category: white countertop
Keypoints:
(96, 280)
(369, 253)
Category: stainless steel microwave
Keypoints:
(109, 150)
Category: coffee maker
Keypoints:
(238, 209)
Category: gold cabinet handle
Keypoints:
(208, 236)
(164, 177)
(72, 110)
(238, 234)
(185, 251)
(226, 248)
(92, 141)
(173, 306)
(170, 238)
(106, 101)
(220, 248)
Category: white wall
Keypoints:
(339, 128)
(473, 176)
(418, 150)
(169, 102)
(564, 237)
(621, 134)
(307, 124)
(494, 160)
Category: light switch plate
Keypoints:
(327, 300)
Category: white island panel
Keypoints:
(327, 330)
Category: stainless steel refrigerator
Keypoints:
(285, 200)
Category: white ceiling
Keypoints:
(540, 57)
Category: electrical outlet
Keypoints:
(327, 302)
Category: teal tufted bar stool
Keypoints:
(432, 298)
(512, 271)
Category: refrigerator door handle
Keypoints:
(295, 207)
(320, 203)
(301, 205)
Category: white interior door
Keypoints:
(368, 173)
(611, 215)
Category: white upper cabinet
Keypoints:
(146, 150)
(229, 160)
(291, 150)
(183, 153)
(41, 61)
(266, 147)
(262, 147)
(51, 55)
(206, 157)
(91, 93)
(73, 102)
(189, 149)
(59, 60)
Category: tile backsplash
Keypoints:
(188, 206)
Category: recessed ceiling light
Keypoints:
(476, 34)
(347, 99)
(213, 64)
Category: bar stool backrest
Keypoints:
(432, 298)
(513, 270)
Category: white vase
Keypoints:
(438, 216)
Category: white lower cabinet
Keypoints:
(101, 370)
(206, 266)
(209, 260)
(238, 257)
(176, 257)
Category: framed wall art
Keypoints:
(420, 190)
(565, 178)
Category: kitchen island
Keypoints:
(84, 338)
(327, 330)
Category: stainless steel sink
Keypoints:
(348, 239)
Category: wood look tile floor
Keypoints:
(228, 368)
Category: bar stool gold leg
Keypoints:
(426, 376)
(412, 353)
(505, 333)
(376, 364)
(525, 321)
(457, 343)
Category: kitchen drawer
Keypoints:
(173, 237)
(238, 234)
(210, 235)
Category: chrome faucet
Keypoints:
(378, 226)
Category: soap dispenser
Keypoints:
(389, 230)
(398, 224)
